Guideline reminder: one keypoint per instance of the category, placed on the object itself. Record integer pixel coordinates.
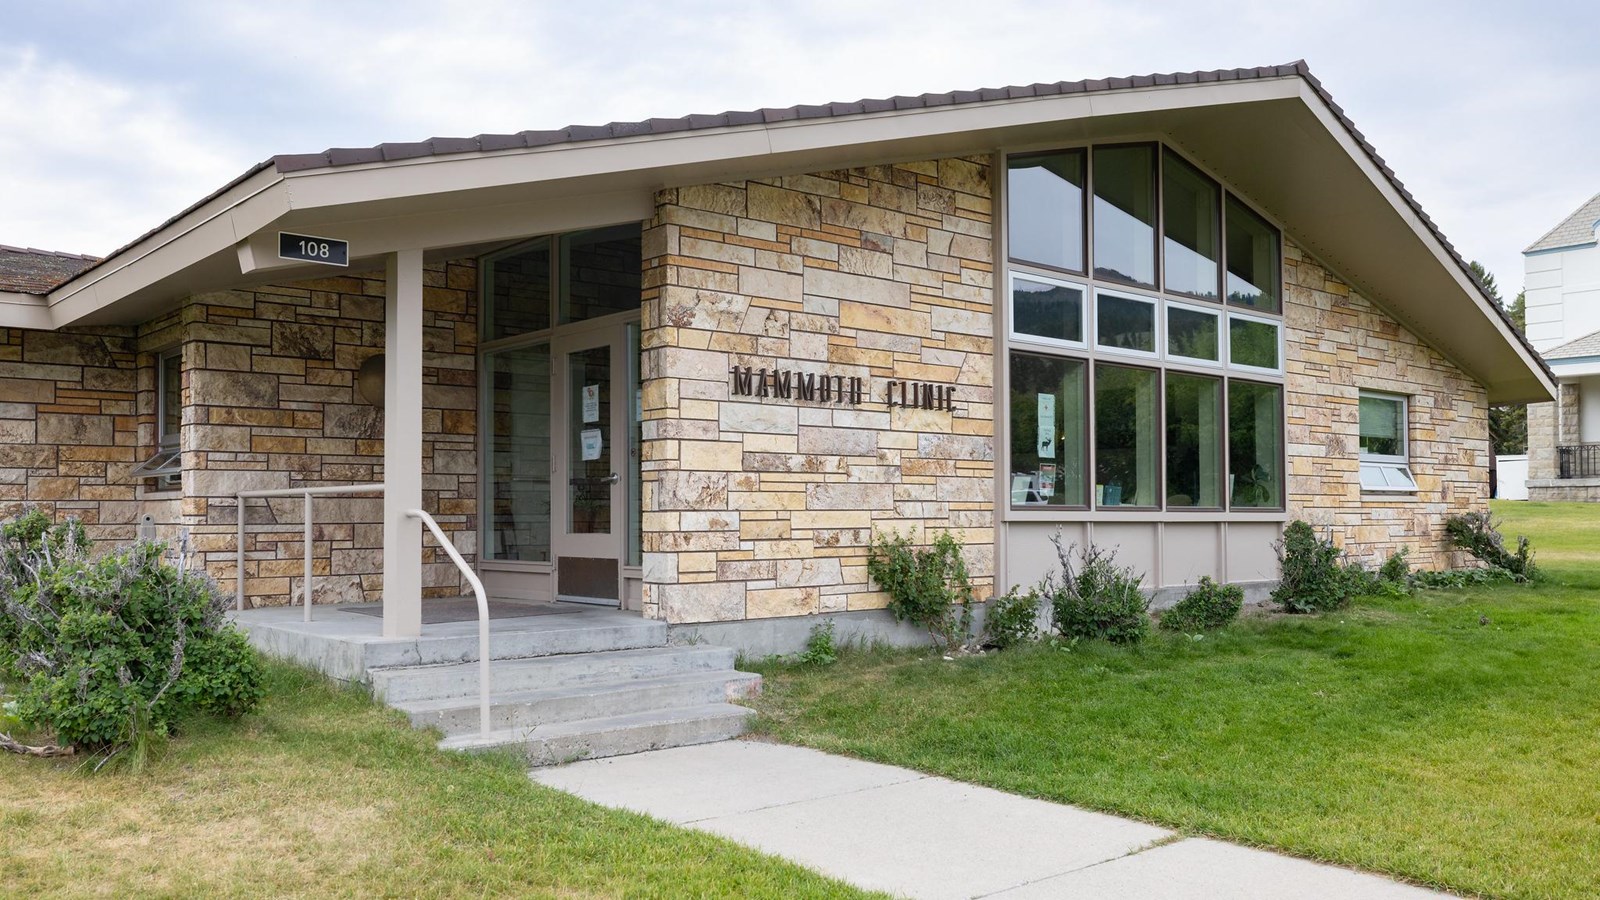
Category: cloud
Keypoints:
(87, 164)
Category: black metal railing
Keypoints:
(1579, 461)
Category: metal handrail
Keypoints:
(483, 613)
(307, 492)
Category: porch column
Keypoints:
(402, 445)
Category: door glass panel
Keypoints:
(519, 454)
(601, 273)
(517, 291)
(589, 441)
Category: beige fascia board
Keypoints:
(214, 227)
(258, 253)
(19, 310)
(1442, 256)
(974, 126)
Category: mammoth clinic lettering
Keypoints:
(809, 387)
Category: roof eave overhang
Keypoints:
(1275, 139)
(19, 310)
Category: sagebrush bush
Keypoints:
(1310, 575)
(1209, 605)
(108, 652)
(1012, 619)
(1096, 598)
(926, 585)
(1479, 534)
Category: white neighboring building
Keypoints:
(1562, 283)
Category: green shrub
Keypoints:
(1310, 577)
(1479, 534)
(1012, 619)
(1458, 578)
(109, 652)
(1209, 605)
(1097, 599)
(926, 585)
(1397, 568)
(820, 649)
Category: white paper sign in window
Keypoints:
(591, 443)
(591, 403)
(1047, 426)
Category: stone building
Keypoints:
(688, 367)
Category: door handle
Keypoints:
(612, 479)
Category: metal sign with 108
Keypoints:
(306, 248)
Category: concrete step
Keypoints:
(532, 708)
(413, 683)
(551, 635)
(561, 742)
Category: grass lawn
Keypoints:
(324, 793)
(1452, 739)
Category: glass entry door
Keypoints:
(591, 440)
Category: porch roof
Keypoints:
(1303, 162)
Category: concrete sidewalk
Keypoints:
(914, 835)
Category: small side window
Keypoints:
(167, 464)
(1385, 460)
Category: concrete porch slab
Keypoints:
(344, 644)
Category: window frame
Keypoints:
(1229, 315)
(1221, 300)
(165, 465)
(1156, 331)
(1091, 353)
(1085, 437)
(1085, 204)
(1090, 263)
(1386, 464)
(1041, 340)
(1195, 306)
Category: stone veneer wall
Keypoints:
(1339, 343)
(70, 416)
(1552, 425)
(757, 508)
(269, 402)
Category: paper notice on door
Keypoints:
(1047, 426)
(591, 403)
(590, 442)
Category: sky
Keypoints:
(114, 116)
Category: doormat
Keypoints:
(465, 609)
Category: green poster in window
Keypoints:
(1047, 426)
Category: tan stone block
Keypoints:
(711, 456)
(781, 206)
(762, 530)
(886, 319)
(774, 602)
(766, 499)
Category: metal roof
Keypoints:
(1575, 230)
(30, 271)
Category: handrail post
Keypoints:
(238, 593)
(483, 612)
(307, 587)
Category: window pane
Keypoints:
(1194, 441)
(519, 454)
(1255, 454)
(1125, 436)
(1382, 426)
(1191, 205)
(1191, 333)
(518, 289)
(1253, 272)
(1047, 310)
(1125, 213)
(1126, 323)
(171, 397)
(1047, 431)
(1252, 343)
(601, 273)
(1044, 217)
